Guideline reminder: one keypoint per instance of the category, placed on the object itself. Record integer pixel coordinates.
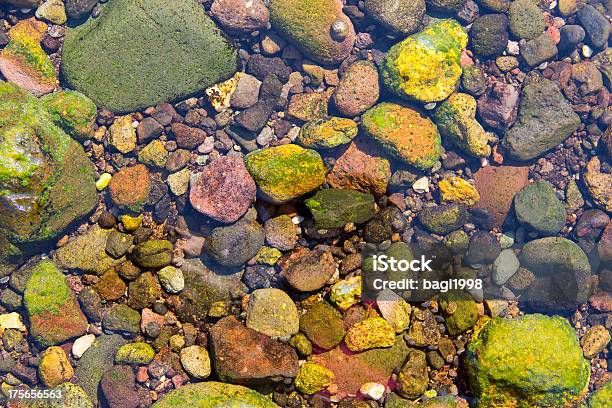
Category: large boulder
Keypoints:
(46, 180)
(137, 53)
(530, 361)
(212, 395)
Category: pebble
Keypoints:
(272, 312)
(505, 266)
(374, 391)
(196, 361)
(171, 279)
(421, 186)
(12, 321)
(54, 367)
(82, 344)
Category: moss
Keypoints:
(457, 190)
(134, 353)
(313, 378)
(327, 133)
(370, 333)
(72, 111)
(334, 208)
(46, 290)
(602, 397)
(212, 394)
(28, 52)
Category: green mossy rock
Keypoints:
(334, 208)
(153, 254)
(406, 134)
(46, 180)
(444, 218)
(425, 66)
(601, 398)
(308, 24)
(313, 378)
(73, 112)
(460, 311)
(327, 133)
(285, 172)
(214, 395)
(323, 325)
(526, 19)
(134, 353)
(456, 120)
(526, 362)
(537, 206)
(140, 52)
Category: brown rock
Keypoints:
(110, 286)
(240, 16)
(188, 137)
(497, 187)
(604, 247)
(130, 187)
(358, 89)
(224, 191)
(118, 386)
(244, 356)
(498, 106)
(308, 106)
(310, 270)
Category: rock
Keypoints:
(359, 169)
(604, 247)
(370, 333)
(52, 11)
(122, 318)
(224, 190)
(272, 312)
(255, 117)
(212, 393)
(444, 218)
(460, 311)
(43, 193)
(498, 106)
(123, 135)
(240, 16)
(21, 3)
(118, 244)
(425, 66)
(234, 245)
(310, 270)
(87, 252)
(538, 50)
(594, 340)
(12, 321)
(326, 37)
(327, 133)
(533, 359)
(148, 129)
(95, 361)
(54, 367)
(545, 120)
(323, 325)
(603, 60)
(188, 137)
(384, 224)
(473, 80)
(130, 187)
(118, 387)
(313, 378)
(308, 106)
(601, 397)
(82, 344)
(570, 36)
(182, 30)
(153, 254)
(154, 155)
(246, 93)
(281, 233)
(456, 119)
(504, 267)
(110, 286)
(424, 331)
(73, 112)
(483, 248)
(171, 279)
(598, 184)
(358, 89)
(404, 133)
(526, 19)
(595, 24)
(244, 356)
(73, 396)
(569, 7)
(412, 380)
(143, 291)
(134, 353)
(402, 18)
(537, 206)
(497, 187)
(52, 309)
(195, 361)
(261, 67)
(334, 208)
(588, 75)
(457, 190)
(394, 310)
(179, 182)
(77, 9)
(285, 172)
(489, 35)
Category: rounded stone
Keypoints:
(134, 353)
(272, 312)
(323, 325)
(327, 133)
(526, 19)
(171, 279)
(403, 17)
(130, 187)
(488, 35)
(196, 361)
(358, 89)
(54, 367)
(537, 206)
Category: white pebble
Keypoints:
(429, 106)
(587, 51)
(373, 390)
(297, 219)
(81, 345)
(513, 48)
(12, 321)
(421, 185)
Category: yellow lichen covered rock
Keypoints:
(457, 190)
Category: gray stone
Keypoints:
(403, 17)
(595, 24)
(537, 206)
(505, 266)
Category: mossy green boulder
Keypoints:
(335, 207)
(134, 353)
(285, 172)
(600, 398)
(72, 111)
(460, 311)
(318, 28)
(46, 180)
(538, 206)
(456, 120)
(525, 362)
(404, 133)
(425, 67)
(52, 308)
(214, 395)
(327, 133)
(184, 52)
(313, 378)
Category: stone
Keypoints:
(498, 106)
(246, 93)
(497, 187)
(424, 331)
(404, 133)
(122, 134)
(195, 361)
(598, 184)
(323, 325)
(130, 187)
(52, 11)
(596, 25)
(273, 313)
(52, 308)
(244, 356)
(445, 5)
(537, 206)
(327, 133)
(143, 291)
(236, 244)
(570, 36)
(256, 117)
(394, 309)
(308, 106)
(88, 252)
(73, 396)
(281, 233)
(532, 359)
(460, 311)
(370, 333)
(118, 387)
(211, 393)
(326, 37)
(172, 279)
(21, 3)
(12, 321)
(504, 267)
(601, 397)
(588, 76)
(334, 208)
(313, 378)
(400, 17)
(224, 191)
(135, 353)
(285, 172)
(122, 318)
(118, 244)
(77, 9)
(358, 89)
(154, 155)
(73, 112)
(545, 120)
(412, 380)
(54, 367)
(473, 80)
(148, 129)
(82, 344)
(153, 254)
(594, 341)
(182, 30)
(179, 182)
(539, 50)
(457, 190)
(526, 19)
(489, 35)
(110, 286)
(308, 271)
(456, 120)
(444, 218)
(425, 66)
(240, 16)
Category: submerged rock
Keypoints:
(211, 394)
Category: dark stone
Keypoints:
(571, 36)
(77, 9)
(595, 24)
(256, 117)
(483, 248)
(262, 67)
(149, 129)
(498, 106)
(489, 35)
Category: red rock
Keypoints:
(358, 89)
(224, 191)
(604, 247)
(240, 16)
(498, 106)
(130, 187)
(118, 386)
(311, 269)
(497, 187)
(601, 301)
(149, 316)
(188, 137)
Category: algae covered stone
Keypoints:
(313, 377)
(406, 134)
(457, 190)
(134, 353)
(425, 66)
(327, 133)
(456, 120)
(105, 58)
(213, 395)
(318, 28)
(72, 111)
(334, 207)
(530, 361)
(537, 206)
(601, 398)
(370, 333)
(285, 172)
